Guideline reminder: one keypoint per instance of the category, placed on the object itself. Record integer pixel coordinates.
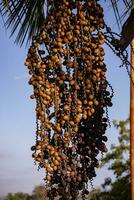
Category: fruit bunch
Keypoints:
(67, 69)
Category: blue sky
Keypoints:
(17, 114)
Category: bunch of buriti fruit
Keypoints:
(66, 64)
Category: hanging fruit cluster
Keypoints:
(66, 64)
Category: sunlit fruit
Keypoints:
(67, 72)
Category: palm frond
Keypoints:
(120, 15)
(23, 17)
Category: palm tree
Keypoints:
(26, 17)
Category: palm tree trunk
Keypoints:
(132, 117)
(132, 120)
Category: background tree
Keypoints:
(39, 193)
(119, 162)
(18, 196)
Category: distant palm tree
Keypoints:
(26, 17)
